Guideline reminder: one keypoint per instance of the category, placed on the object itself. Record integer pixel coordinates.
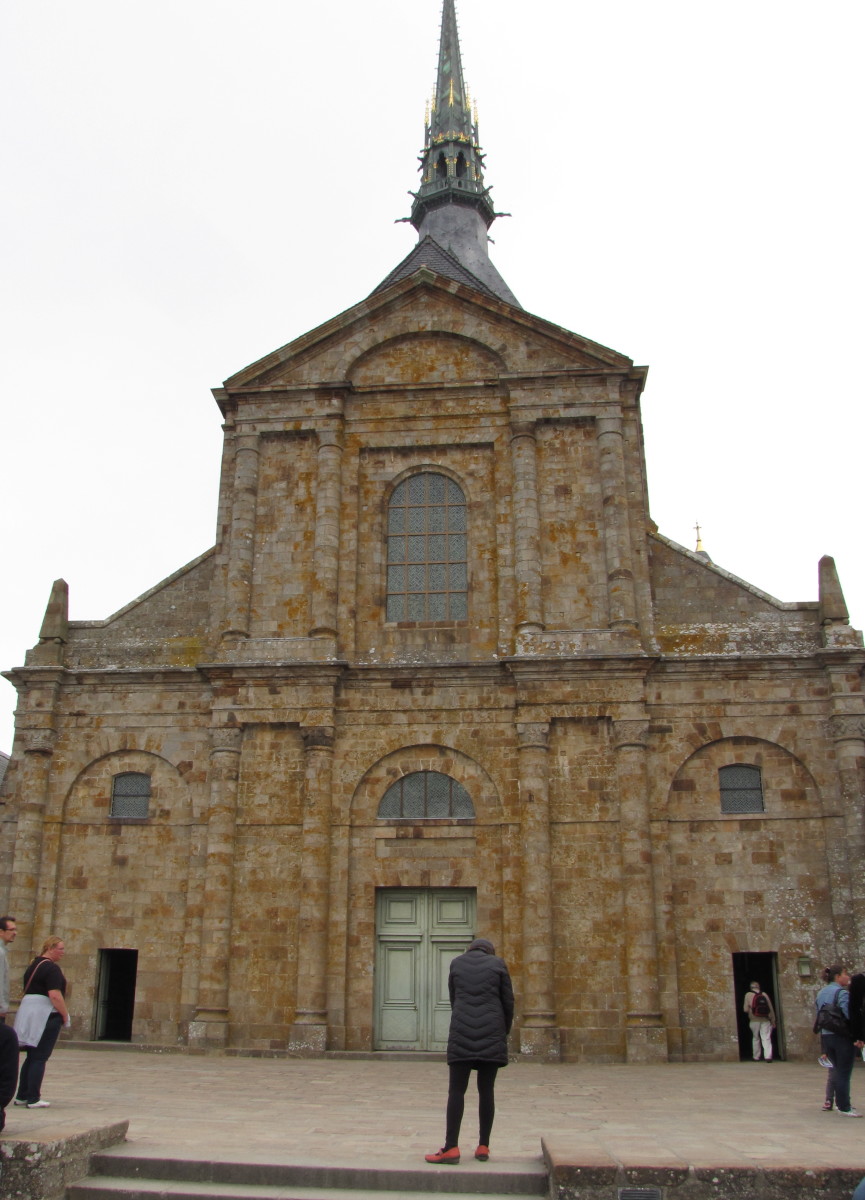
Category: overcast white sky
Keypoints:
(188, 184)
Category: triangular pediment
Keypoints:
(423, 329)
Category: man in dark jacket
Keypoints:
(8, 1069)
(482, 1012)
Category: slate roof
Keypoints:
(428, 253)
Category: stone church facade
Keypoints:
(441, 676)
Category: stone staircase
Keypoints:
(119, 1174)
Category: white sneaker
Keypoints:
(20, 1103)
(849, 1112)
(47, 1104)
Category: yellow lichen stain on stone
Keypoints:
(185, 651)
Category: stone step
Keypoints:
(119, 1174)
(105, 1187)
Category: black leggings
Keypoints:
(459, 1081)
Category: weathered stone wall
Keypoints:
(601, 679)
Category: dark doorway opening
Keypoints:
(762, 969)
(115, 995)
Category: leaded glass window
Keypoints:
(741, 789)
(427, 562)
(130, 795)
(425, 794)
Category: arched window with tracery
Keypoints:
(425, 794)
(427, 564)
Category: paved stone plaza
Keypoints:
(357, 1111)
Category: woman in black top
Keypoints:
(482, 1012)
(43, 978)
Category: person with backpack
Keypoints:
(837, 1038)
(761, 1017)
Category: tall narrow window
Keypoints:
(425, 794)
(427, 567)
(130, 795)
(741, 789)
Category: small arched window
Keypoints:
(441, 167)
(427, 566)
(461, 165)
(425, 794)
(741, 789)
(130, 795)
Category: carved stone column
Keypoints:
(645, 1031)
(33, 789)
(210, 1025)
(527, 529)
(328, 494)
(308, 1034)
(848, 734)
(539, 1034)
(241, 546)
(617, 540)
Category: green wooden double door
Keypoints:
(418, 932)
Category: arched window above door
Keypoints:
(425, 794)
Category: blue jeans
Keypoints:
(841, 1051)
(33, 1070)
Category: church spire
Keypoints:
(453, 205)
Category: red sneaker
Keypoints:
(450, 1157)
(482, 1153)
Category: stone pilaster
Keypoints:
(527, 529)
(621, 592)
(33, 789)
(645, 1030)
(847, 731)
(325, 588)
(308, 1034)
(210, 1025)
(241, 547)
(539, 1034)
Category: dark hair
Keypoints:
(830, 973)
(4, 922)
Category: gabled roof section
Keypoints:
(323, 356)
(428, 253)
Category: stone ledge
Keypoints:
(591, 1174)
(42, 1168)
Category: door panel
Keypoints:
(418, 932)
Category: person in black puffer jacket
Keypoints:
(482, 1012)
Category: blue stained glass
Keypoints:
(417, 489)
(413, 795)
(396, 608)
(436, 493)
(437, 577)
(396, 549)
(416, 607)
(416, 520)
(435, 520)
(459, 606)
(416, 578)
(437, 606)
(457, 519)
(396, 579)
(436, 547)
(396, 520)
(455, 493)
(438, 795)
(399, 494)
(457, 547)
(417, 548)
(458, 577)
